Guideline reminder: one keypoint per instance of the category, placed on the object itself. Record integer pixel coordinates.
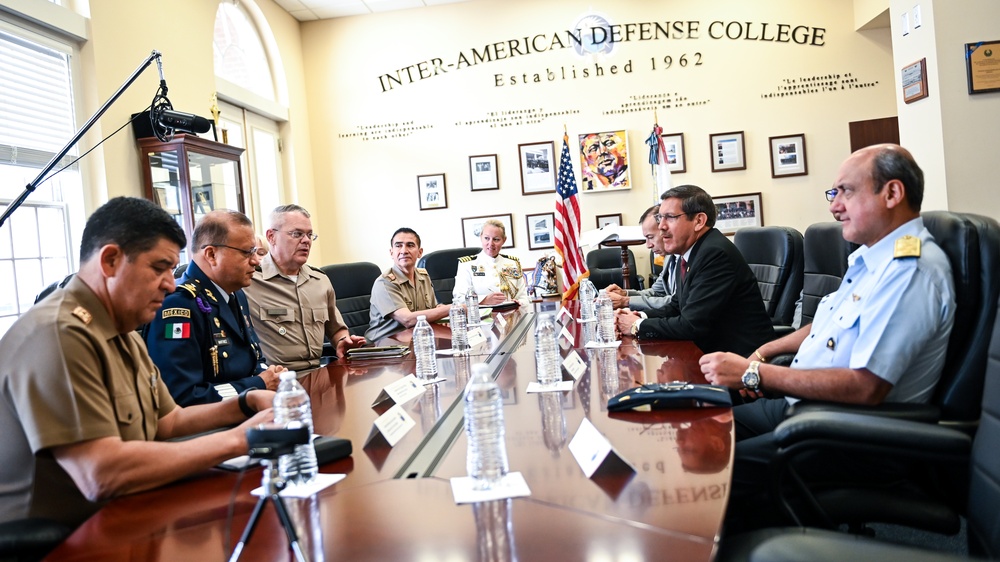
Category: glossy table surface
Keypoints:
(396, 502)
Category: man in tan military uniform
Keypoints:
(404, 291)
(496, 277)
(79, 392)
(293, 305)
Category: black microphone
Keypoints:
(181, 122)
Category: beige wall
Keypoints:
(123, 34)
(950, 131)
(367, 189)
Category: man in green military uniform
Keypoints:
(404, 291)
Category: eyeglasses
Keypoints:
(298, 234)
(831, 194)
(246, 253)
(670, 218)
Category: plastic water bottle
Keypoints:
(547, 356)
(586, 296)
(605, 318)
(486, 460)
(424, 349)
(292, 409)
(457, 319)
(472, 307)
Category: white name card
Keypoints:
(501, 322)
(574, 365)
(566, 335)
(401, 391)
(561, 386)
(512, 485)
(392, 425)
(476, 337)
(599, 345)
(593, 451)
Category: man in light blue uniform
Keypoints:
(882, 337)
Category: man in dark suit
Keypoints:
(717, 304)
(202, 339)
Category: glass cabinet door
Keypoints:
(166, 187)
(214, 184)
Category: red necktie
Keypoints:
(684, 269)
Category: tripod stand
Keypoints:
(268, 445)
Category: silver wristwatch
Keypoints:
(751, 378)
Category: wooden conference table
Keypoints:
(396, 502)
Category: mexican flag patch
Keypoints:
(178, 331)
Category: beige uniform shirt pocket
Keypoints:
(129, 416)
(320, 315)
(278, 315)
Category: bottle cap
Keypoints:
(287, 375)
(421, 317)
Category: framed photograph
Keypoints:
(727, 151)
(541, 231)
(915, 81)
(981, 66)
(605, 220)
(472, 227)
(538, 167)
(483, 172)
(737, 211)
(788, 156)
(604, 161)
(674, 144)
(431, 191)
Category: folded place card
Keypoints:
(566, 335)
(561, 386)
(391, 426)
(564, 315)
(401, 391)
(599, 345)
(476, 337)
(306, 490)
(512, 485)
(574, 365)
(594, 452)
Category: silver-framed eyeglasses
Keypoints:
(670, 218)
(246, 253)
(298, 234)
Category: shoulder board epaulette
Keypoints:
(464, 259)
(83, 314)
(188, 288)
(390, 276)
(906, 247)
(512, 258)
(421, 270)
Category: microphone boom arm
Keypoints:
(33, 184)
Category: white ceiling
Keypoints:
(308, 10)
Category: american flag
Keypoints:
(568, 225)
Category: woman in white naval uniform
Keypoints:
(497, 278)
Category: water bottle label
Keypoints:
(391, 426)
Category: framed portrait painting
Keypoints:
(604, 161)
(538, 167)
(432, 192)
(541, 231)
(734, 212)
(472, 227)
(483, 172)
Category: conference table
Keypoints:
(396, 502)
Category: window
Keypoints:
(36, 119)
(239, 53)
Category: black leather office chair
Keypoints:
(25, 540)
(180, 269)
(824, 263)
(775, 255)
(52, 287)
(925, 444)
(353, 284)
(605, 265)
(654, 270)
(442, 265)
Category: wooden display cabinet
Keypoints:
(210, 178)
